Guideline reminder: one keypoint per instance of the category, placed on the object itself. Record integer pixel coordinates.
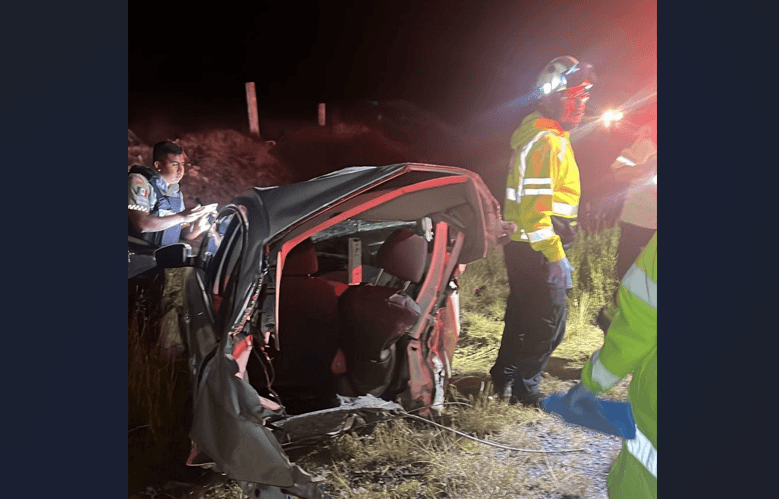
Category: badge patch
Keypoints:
(140, 190)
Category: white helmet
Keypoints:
(562, 73)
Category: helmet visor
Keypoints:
(582, 73)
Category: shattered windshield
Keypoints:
(354, 227)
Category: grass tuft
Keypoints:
(157, 383)
(594, 258)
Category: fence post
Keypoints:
(322, 114)
(251, 102)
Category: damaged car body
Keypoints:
(315, 304)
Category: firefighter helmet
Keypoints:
(562, 73)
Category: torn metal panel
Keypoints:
(228, 427)
(354, 412)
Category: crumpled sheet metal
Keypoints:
(353, 412)
(228, 427)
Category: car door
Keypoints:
(228, 429)
(207, 289)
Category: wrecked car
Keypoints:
(315, 304)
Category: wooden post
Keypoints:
(322, 114)
(251, 102)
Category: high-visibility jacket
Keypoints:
(640, 207)
(631, 347)
(542, 187)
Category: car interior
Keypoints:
(349, 295)
(337, 339)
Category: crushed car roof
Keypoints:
(287, 204)
(271, 211)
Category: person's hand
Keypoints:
(196, 212)
(560, 274)
(579, 400)
(203, 222)
(192, 214)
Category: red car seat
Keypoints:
(308, 333)
(373, 318)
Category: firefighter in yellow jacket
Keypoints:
(542, 198)
(631, 347)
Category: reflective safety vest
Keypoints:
(631, 347)
(542, 187)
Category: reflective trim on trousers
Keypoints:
(566, 210)
(643, 450)
(541, 234)
(641, 286)
(623, 159)
(602, 376)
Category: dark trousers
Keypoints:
(632, 239)
(534, 322)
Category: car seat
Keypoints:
(373, 318)
(308, 333)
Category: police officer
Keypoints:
(542, 198)
(155, 206)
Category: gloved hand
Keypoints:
(560, 274)
(580, 401)
(581, 406)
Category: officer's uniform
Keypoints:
(149, 193)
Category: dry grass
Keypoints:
(157, 384)
(411, 459)
(150, 370)
(408, 460)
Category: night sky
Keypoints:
(457, 58)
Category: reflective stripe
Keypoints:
(523, 235)
(565, 209)
(605, 378)
(642, 449)
(537, 192)
(561, 154)
(537, 181)
(641, 286)
(541, 234)
(523, 157)
(137, 207)
(511, 193)
(623, 159)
